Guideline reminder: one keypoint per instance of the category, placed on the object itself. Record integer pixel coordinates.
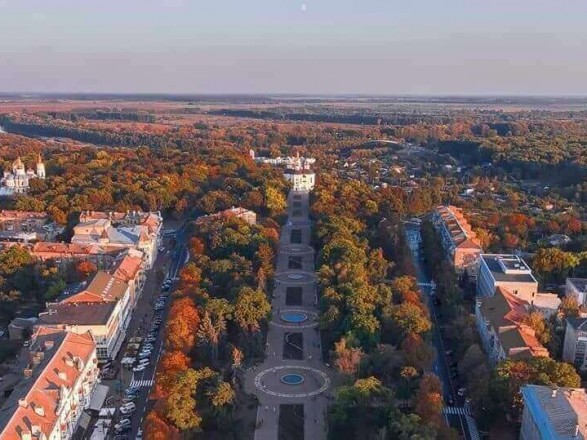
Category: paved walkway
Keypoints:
(294, 294)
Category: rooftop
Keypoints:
(508, 268)
(103, 287)
(57, 358)
(77, 313)
(505, 314)
(564, 410)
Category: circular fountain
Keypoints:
(292, 379)
(294, 317)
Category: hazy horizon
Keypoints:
(264, 47)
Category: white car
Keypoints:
(123, 423)
(128, 409)
(144, 362)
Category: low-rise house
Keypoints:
(460, 243)
(553, 413)
(508, 271)
(57, 385)
(500, 321)
(577, 287)
(104, 308)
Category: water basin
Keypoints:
(292, 379)
(295, 317)
(295, 276)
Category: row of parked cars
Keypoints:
(127, 408)
(143, 358)
(128, 405)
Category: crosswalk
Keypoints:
(142, 383)
(457, 410)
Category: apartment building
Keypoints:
(104, 308)
(577, 287)
(24, 227)
(553, 413)
(62, 253)
(57, 385)
(501, 328)
(460, 243)
(129, 269)
(575, 343)
(133, 230)
(508, 271)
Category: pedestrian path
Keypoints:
(472, 425)
(142, 383)
(281, 380)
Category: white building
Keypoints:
(507, 271)
(58, 383)
(300, 174)
(577, 287)
(575, 345)
(17, 181)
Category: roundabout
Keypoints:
(295, 277)
(297, 250)
(277, 381)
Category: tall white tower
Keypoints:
(40, 167)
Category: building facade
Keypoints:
(17, 180)
(575, 343)
(508, 271)
(299, 173)
(500, 321)
(577, 287)
(57, 386)
(133, 230)
(103, 308)
(553, 413)
(460, 243)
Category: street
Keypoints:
(457, 416)
(170, 262)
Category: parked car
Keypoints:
(129, 405)
(123, 430)
(123, 423)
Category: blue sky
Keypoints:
(308, 46)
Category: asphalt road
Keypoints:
(140, 324)
(457, 415)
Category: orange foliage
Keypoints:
(182, 325)
(157, 429)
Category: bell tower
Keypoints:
(40, 167)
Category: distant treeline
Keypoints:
(81, 134)
(103, 115)
(339, 118)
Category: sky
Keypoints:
(379, 47)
